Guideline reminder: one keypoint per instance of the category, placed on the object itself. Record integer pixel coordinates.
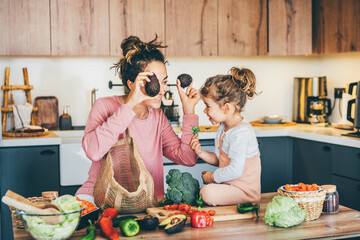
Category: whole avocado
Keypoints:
(152, 88)
(185, 80)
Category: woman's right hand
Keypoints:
(137, 92)
(195, 144)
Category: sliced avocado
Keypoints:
(185, 80)
(168, 220)
(176, 225)
(152, 88)
(148, 223)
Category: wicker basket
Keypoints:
(311, 202)
(36, 200)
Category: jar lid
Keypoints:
(329, 188)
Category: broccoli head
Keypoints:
(183, 188)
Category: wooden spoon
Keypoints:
(30, 208)
(20, 198)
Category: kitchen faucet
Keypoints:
(93, 96)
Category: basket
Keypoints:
(36, 200)
(311, 202)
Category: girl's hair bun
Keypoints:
(245, 79)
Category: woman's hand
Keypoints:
(137, 92)
(208, 177)
(195, 144)
(189, 98)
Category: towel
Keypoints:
(22, 115)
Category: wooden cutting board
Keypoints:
(47, 115)
(223, 213)
(260, 123)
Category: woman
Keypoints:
(140, 113)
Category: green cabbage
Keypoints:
(40, 230)
(284, 212)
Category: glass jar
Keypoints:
(331, 202)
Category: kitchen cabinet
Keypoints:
(79, 28)
(346, 175)
(276, 164)
(138, 18)
(24, 28)
(191, 27)
(242, 27)
(27, 171)
(290, 27)
(349, 191)
(312, 162)
(336, 26)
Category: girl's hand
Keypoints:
(208, 177)
(137, 92)
(189, 98)
(195, 144)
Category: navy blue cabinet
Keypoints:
(276, 162)
(312, 162)
(346, 175)
(27, 171)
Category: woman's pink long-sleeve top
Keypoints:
(154, 136)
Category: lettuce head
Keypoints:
(284, 212)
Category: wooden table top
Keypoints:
(344, 224)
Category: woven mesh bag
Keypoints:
(123, 182)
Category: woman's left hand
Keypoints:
(208, 177)
(189, 98)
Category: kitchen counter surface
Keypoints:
(50, 139)
(304, 131)
(345, 224)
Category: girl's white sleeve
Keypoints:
(237, 151)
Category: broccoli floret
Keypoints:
(182, 187)
(195, 130)
(174, 195)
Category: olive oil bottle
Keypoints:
(65, 120)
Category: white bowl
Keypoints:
(274, 119)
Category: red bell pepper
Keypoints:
(110, 213)
(198, 219)
(184, 207)
(107, 228)
(171, 207)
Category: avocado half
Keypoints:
(152, 88)
(148, 223)
(185, 80)
(174, 224)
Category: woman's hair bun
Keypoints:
(245, 79)
(129, 44)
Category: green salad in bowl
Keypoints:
(70, 210)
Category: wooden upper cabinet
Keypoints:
(336, 26)
(24, 27)
(191, 27)
(290, 27)
(80, 28)
(242, 27)
(139, 18)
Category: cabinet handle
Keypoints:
(326, 148)
(358, 155)
(47, 152)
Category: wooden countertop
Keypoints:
(345, 224)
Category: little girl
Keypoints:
(236, 148)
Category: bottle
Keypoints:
(331, 202)
(65, 120)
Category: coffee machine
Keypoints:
(169, 107)
(310, 102)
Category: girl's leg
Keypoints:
(222, 194)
